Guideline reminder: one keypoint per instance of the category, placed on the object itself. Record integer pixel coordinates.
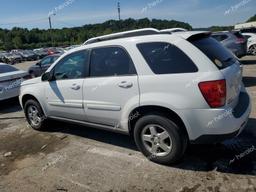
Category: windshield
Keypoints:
(218, 54)
(7, 69)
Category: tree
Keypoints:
(28, 39)
(253, 18)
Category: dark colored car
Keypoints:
(233, 40)
(28, 55)
(41, 53)
(249, 30)
(39, 68)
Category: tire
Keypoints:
(34, 115)
(32, 74)
(252, 50)
(168, 134)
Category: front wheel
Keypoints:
(160, 139)
(35, 115)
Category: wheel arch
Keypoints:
(141, 111)
(27, 97)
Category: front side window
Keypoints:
(164, 58)
(111, 61)
(72, 66)
(46, 61)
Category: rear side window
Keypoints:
(218, 54)
(7, 69)
(164, 58)
(111, 61)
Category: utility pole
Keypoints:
(119, 10)
(50, 22)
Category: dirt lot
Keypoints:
(75, 158)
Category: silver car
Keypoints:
(10, 81)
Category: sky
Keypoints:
(71, 13)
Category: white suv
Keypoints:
(251, 37)
(165, 90)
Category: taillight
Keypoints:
(214, 92)
(240, 40)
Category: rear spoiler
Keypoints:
(194, 35)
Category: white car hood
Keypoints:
(31, 81)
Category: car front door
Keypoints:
(112, 85)
(64, 93)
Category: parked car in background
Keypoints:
(251, 37)
(12, 58)
(10, 81)
(233, 40)
(39, 68)
(248, 30)
(142, 83)
(55, 50)
(71, 47)
(28, 55)
(41, 53)
(2, 57)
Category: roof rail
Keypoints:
(133, 33)
(173, 30)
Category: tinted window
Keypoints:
(219, 55)
(164, 58)
(220, 37)
(238, 34)
(111, 61)
(7, 69)
(55, 58)
(46, 61)
(72, 66)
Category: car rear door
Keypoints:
(112, 85)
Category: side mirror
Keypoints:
(46, 76)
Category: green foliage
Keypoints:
(19, 38)
(221, 28)
(253, 18)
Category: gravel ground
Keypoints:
(74, 158)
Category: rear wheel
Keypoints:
(252, 49)
(35, 115)
(160, 139)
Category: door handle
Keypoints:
(125, 84)
(75, 87)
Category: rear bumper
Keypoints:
(9, 94)
(216, 125)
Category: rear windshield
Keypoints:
(7, 69)
(218, 54)
(238, 34)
